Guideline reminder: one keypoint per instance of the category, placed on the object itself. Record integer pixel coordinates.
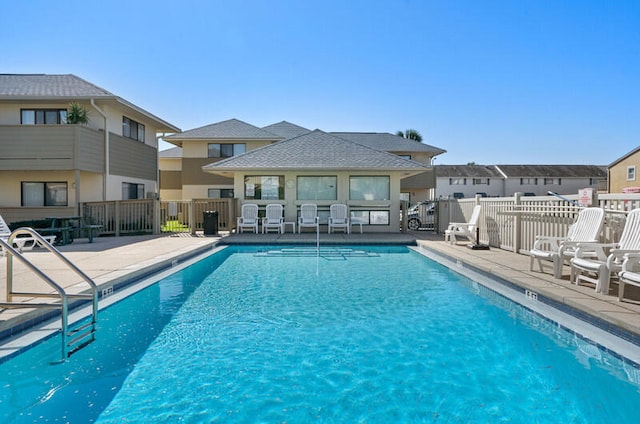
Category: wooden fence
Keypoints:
(149, 216)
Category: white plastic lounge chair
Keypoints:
(308, 217)
(630, 273)
(339, 218)
(248, 218)
(586, 229)
(20, 243)
(608, 257)
(464, 229)
(273, 219)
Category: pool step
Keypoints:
(325, 252)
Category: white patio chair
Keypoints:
(608, 257)
(630, 273)
(339, 218)
(586, 229)
(248, 218)
(20, 243)
(464, 229)
(273, 219)
(308, 217)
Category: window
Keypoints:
(528, 181)
(317, 188)
(43, 116)
(551, 181)
(457, 181)
(370, 217)
(217, 150)
(264, 187)
(132, 129)
(220, 193)
(132, 191)
(631, 173)
(44, 194)
(369, 188)
(480, 181)
(405, 157)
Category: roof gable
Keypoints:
(388, 142)
(232, 129)
(286, 129)
(48, 86)
(316, 150)
(67, 88)
(620, 159)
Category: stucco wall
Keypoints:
(618, 174)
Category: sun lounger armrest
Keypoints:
(552, 242)
(588, 249)
(631, 262)
(454, 225)
(618, 255)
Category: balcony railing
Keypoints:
(51, 147)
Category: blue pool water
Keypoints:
(393, 337)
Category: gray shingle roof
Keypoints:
(286, 129)
(232, 129)
(469, 171)
(317, 150)
(66, 88)
(174, 152)
(48, 86)
(554, 171)
(388, 142)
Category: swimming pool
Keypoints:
(244, 336)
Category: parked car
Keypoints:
(421, 215)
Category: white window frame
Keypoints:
(369, 187)
(317, 187)
(236, 149)
(457, 181)
(631, 173)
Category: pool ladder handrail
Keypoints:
(71, 340)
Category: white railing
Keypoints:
(512, 223)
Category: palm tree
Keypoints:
(77, 114)
(411, 135)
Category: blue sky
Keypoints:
(523, 81)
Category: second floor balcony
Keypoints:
(51, 147)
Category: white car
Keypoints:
(422, 215)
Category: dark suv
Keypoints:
(422, 215)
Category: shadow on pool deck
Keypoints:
(115, 259)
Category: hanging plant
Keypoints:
(77, 114)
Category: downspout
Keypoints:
(504, 180)
(106, 151)
(158, 137)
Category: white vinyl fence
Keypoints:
(512, 223)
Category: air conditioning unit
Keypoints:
(152, 195)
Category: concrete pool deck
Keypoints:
(112, 260)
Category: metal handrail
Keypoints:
(60, 292)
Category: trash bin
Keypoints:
(210, 223)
